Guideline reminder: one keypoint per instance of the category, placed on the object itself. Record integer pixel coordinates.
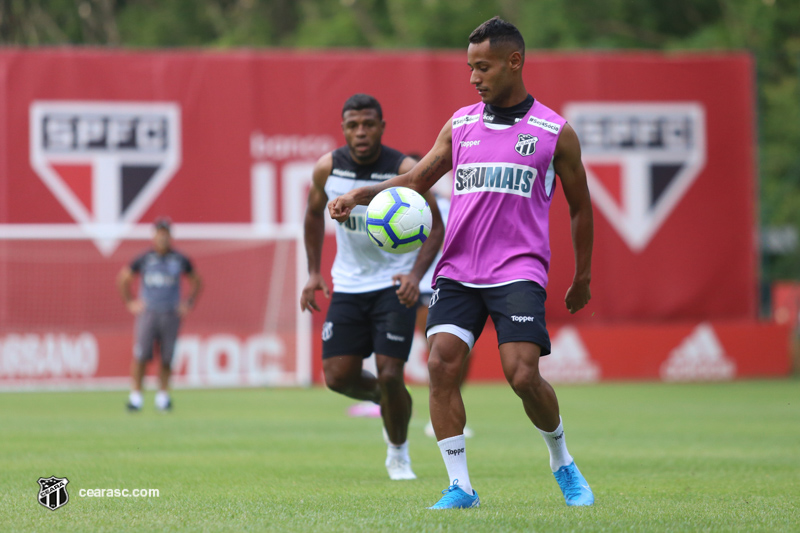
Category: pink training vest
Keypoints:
(503, 181)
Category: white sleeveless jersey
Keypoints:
(359, 265)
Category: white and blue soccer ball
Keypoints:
(398, 220)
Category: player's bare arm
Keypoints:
(124, 281)
(314, 233)
(195, 288)
(569, 167)
(421, 177)
(408, 283)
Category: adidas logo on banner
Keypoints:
(569, 361)
(700, 357)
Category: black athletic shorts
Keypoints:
(363, 323)
(517, 310)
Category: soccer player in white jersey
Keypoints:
(505, 153)
(374, 292)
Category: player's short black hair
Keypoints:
(163, 223)
(498, 31)
(360, 101)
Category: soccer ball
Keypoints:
(398, 220)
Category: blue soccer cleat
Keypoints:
(574, 486)
(455, 498)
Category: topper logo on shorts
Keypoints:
(640, 160)
(495, 177)
(106, 162)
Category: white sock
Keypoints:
(162, 399)
(135, 399)
(557, 444)
(397, 451)
(454, 453)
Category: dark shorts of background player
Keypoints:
(152, 327)
(363, 323)
(517, 310)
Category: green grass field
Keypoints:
(715, 457)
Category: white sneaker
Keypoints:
(399, 469)
(430, 433)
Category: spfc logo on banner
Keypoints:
(106, 162)
(526, 144)
(640, 160)
(53, 492)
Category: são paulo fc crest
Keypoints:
(640, 160)
(105, 162)
(53, 492)
(526, 144)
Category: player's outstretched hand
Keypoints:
(135, 306)
(308, 300)
(340, 207)
(578, 295)
(407, 288)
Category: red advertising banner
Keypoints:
(94, 145)
(786, 304)
(705, 351)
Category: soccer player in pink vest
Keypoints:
(504, 153)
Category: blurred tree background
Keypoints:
(768, 29)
